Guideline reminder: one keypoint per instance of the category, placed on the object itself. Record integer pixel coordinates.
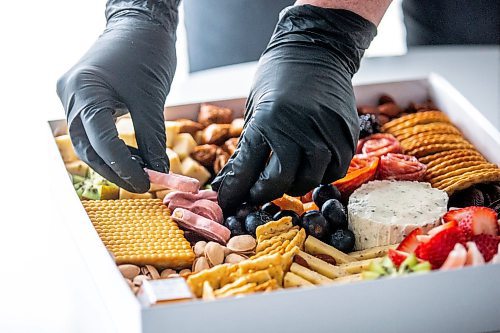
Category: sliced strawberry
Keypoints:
(484, 221)
(423, 238)
(436, 250)
(487, 245)
(456, 258)
(455, 215)
(397, 257)
(464, 219)
(410, 243)
(441, 227)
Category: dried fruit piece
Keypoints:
(212, 114)
(287, 202)
(230, 146)
(189, 126)
(215, 134)
(361, 170)
(221, 158)
(236, 127)
(204, 154)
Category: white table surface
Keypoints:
(45, 284)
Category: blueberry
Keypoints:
(270, 208)
(315, 224)
(342, 239)
(334, 213)
(235, 225)
(253, 220)
(295, 217)
(325, 192)
(245, 209)
(368, 125)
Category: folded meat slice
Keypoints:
(192, 197)
(174, 181)
(378, 144)
(203, 207)
(401, 167)
(201, 225)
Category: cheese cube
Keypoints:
(126, 132)
(193, 169)
(172, 128)
(184, 145)
(66, 148)
(175, 161)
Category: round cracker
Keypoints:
(445, 160)
(414, 144)
(460, 171)
(413, 119)
(449, 154)
(441, 128)
(448, 182)
(489, 176)
(436, 148)
(449, 166)
(429, 136)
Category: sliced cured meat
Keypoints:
(192, 197)
(378, 145)
(201, 225)
(400, 167)
(174, 181)
(203, 207)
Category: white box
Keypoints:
(464, 300)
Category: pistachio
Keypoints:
(173, 275)
(129, 271)
(185, 271)
(135, 289)
(199, 248)
(242, 244)
(129, 282)
(234, 258)
(166, 272)
(214, 252)
(152, 272)
(200, 264)
(139, 279)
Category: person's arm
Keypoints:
(128, 69)
(301, 124)
(372, 10)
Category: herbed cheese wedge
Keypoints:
(384, 212)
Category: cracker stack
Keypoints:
(453, 163)
(140, 232)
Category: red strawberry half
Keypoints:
(484, 221)
(436, 250)
(474, 220)
(410, 243)
(487, 245)
(397, 257)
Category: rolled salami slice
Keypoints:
(201, 225)
(174, 181)
(192, 197)
(401, 167)
(378, 145)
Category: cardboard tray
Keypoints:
(464, 300)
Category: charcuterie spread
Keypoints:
(417, 197)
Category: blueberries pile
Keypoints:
(328, 224)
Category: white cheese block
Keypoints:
(384, 212)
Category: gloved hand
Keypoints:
(128, 69)
(301, 124)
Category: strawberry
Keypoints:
(484, 221)
(441, 227)
(397, 257)
(455, 215)
(474, 220)
(487, 245)
(410, 243)
(436, 250)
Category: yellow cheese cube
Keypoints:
(175, 161)
(66, 148)
(193, 169)
(172, 128)
(184, 144)
(126, 132)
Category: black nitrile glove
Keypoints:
(301, 108)
(128, 69)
